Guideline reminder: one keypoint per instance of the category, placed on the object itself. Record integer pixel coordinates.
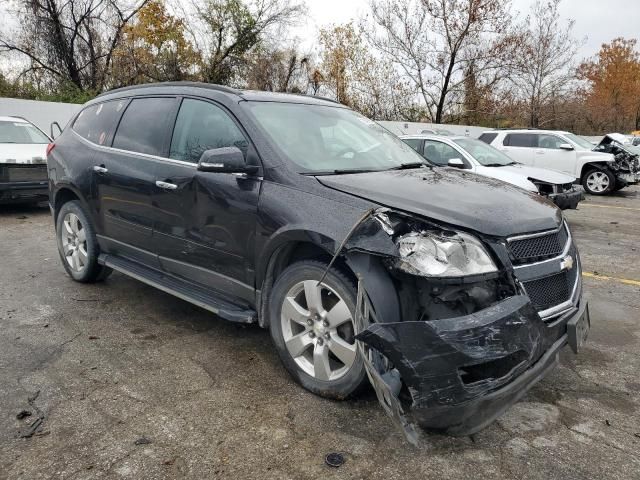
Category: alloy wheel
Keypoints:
(74, 242)
(598, 182)
(318, 330)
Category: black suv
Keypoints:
(299, 214)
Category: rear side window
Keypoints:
(520, 140)
(488, 137)
(203, 126)
(97, 122)
(414, 143)
(144, 126)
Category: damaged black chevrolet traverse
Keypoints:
(451, 293)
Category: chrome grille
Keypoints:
(553, 290)
(539, 247)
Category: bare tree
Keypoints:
(227, 30)
(351, 74)
(69, 42)
(437, 43)
(275, 69)
(545, 64)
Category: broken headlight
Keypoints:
(443, 254)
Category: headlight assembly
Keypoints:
(443, 254)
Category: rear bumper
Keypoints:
(462, 373)
(11, 192)
(568, 200)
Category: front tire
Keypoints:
(313, 330)
(599, 182)
(77, 244)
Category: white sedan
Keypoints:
(23, 161)
(482, 159)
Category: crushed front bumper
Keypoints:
(462, 373)
(568, 200)
(628, 178)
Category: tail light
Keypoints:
(50, 147)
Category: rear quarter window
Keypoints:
(97, 123)
(520, 140)
(488, 137)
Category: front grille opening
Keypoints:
(540, 248)
(493, 369)
(550, 291)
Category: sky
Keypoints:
(599, 21)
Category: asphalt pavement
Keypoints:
(124, 381)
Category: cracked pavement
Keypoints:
(134, 383)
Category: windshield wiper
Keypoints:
(499, 164)
(407, 166)
(341, 171)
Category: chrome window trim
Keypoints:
(129, 152)
(564, 253)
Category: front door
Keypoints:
(550, 155)
(205, 221)
(125, 177)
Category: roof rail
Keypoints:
(209, 86)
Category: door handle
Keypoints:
(100, 169)
(166, 185)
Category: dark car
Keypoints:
(313, 221)
(23, 165)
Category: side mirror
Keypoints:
(58, 127)
(225, 160)
(456, 163)
(565, 146)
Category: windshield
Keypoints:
(581, 142)
(21, 132)
(484, 154)
(323, 139)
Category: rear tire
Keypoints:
(77, 244)
(313, 329)
(599, 182)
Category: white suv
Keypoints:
(561, 151)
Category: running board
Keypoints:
(191, 293)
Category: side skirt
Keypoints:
(209, 300)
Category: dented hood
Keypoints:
(454, 197)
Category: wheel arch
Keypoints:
(590, 166)
(379, 284)
(64, 194)
(291, 247)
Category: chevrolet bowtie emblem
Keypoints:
(566, 263)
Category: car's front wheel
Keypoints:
(599, 182)
(313, 329)
(77, 244)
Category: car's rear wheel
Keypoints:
(313, 329)
(77, 244)
(599, 182)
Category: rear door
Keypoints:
(125, 176)
(548, 154)
(519, 147)
(206, 221)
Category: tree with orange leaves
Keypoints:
(612, 94)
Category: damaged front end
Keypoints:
(626, 166)
(566, 196)
(464, 345)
